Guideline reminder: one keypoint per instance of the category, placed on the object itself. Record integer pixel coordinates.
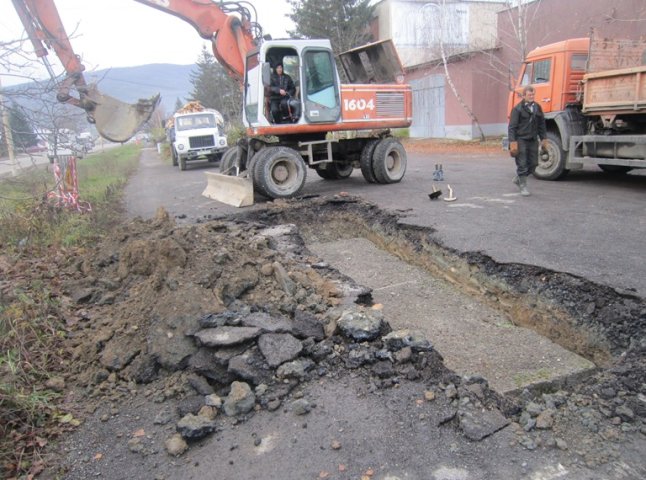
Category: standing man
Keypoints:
(526, 127)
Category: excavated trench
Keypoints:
(519, 326)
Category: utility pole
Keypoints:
(7, 134)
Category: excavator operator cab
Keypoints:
(314, 93)
(283, 108)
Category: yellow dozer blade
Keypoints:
(232, 190)
(115, 120)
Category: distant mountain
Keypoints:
(131, 83)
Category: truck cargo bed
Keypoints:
(615, 91)
(615, 82)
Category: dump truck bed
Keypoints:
(616, 79)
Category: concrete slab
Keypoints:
(473, 338)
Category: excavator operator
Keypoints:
(284, 107)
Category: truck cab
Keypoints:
(591, 91)
(555, 71)
(198, 136)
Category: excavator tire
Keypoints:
(256, 171)
(367, 169)
(389, 161)
(335, 171)
(280, 172)
(228, 161)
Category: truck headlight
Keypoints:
(180, 146)
(223, 142)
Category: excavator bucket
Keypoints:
(229, 189)
(115, 120)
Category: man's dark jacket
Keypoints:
(281, 82)
(525, 124)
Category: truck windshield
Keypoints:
(196, 121)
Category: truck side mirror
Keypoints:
(266, 74)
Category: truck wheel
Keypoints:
(173, 155)
(367, 169)
(389, 161)
(551, 166)
(228, 161)
(182, 164)
(334, 171)
(280, 172)
(615, 169)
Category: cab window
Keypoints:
(578, 61)
(542, 70)
(320, 78)
(527, 74)
(253, 75)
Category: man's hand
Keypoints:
(544, 144)
(283, 92)
(513, 149)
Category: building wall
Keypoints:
(483, 25)
(416, 26)
(483, 78)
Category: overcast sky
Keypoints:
(120, 33)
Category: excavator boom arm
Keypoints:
(231, 36)
(228, 25)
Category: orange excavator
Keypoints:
(331, 128)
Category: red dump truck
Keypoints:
(593, 93)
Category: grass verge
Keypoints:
(35, 238)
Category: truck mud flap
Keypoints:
(234, 191)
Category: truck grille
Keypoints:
(390, 104)
(202, 141)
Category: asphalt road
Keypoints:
(590, 224)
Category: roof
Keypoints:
(573, 44)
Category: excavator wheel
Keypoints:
(228, 161)
(389, 161)
(280, 172)
(367, 169)
(255, 169)
(335, 171)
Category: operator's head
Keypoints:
(279, 68)
(528, 93)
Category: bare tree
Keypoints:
(445, 28)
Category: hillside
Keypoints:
(130, 84)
